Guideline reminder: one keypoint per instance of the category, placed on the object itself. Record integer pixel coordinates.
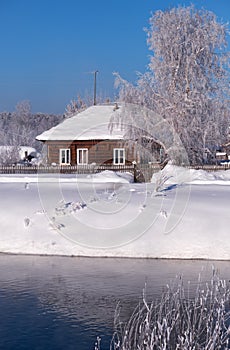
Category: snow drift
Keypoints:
(181, 214)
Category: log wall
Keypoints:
(99, 151)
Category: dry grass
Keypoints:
(183, 319)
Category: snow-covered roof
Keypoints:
(91, 124)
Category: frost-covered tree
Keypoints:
(21, 133)
(21, 127)
(9, 155)
(79, 104)
(75, 106)
(187, 81)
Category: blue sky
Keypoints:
(49, 48)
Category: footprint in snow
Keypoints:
(142, 207)
(55, 226)
(26, 221)
(40, 212)
(164, 214)
(60, 226)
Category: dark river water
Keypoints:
(65, 303)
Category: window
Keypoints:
(82, 156)
(118, 156)
(64, 156)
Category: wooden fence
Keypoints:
(209, 168)
(141, 172)
(67, 169)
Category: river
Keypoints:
(65, 303)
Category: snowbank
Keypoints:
(178, 175)
(102, 177)
(181, 214)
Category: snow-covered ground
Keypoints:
(181, 214)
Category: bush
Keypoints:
(9, 155)
(183, 319)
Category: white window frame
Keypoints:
(67, 156)
(82, 150)
(118, 157)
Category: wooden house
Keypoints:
(86, 139)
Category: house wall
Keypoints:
(99, 151)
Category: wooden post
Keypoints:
(134, 171)
(95, 88)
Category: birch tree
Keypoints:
(21, 133)
(187, 81)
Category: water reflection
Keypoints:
(61, 302)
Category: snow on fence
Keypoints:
(141, 172)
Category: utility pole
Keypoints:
(95, 88)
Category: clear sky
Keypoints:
(49, 48)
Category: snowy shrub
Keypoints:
(160, 179)
(9, 155)
(183, 319)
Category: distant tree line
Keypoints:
(20, 128)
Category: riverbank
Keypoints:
(182, 214)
